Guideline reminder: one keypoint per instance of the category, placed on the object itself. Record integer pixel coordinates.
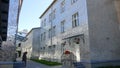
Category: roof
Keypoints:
(31, 30)
(48, 8)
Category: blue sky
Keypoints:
(30, 13)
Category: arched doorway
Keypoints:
(68, 58)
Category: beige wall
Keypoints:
(103, 30)
(117, 5)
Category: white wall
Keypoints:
(70, 9)
(27, 45)
(36, 42)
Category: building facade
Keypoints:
(14, 11)
(4, 10)
(86, 29)
(31, 43)
(7, 7)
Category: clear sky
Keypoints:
(30, 13)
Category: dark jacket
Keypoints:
(24, 57)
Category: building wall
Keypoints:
(117, 6)
(27, 45)
(70, 9)
(4, 10)
(36, 42)
(103, 30)
(32, 43)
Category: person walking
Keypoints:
(24, 57)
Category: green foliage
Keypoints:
(49, 63)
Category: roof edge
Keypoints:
(47, 8)
(32, 30)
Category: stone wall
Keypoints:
(7, 53)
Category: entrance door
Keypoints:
(67, 59)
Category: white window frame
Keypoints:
(52, 15)
(54, 31)
(75, 20)
(44, 35)
(63, 26)
(41, 37)
(62, 6)
(49, 33)
(44, 22)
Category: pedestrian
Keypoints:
(24, 57)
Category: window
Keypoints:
(54, 28)
(41, 37)
(63, 26)
(49, 33)
(41, 48)
(44, 22)
(50, 47)
(44, 48)
(54, 12)
(62, 6)
(75, 20)
(54, 46)
(44, 35)
(52, 15)
(73, 1)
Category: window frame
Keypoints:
(75, 19)
(54, 31)
(63, 26)
(49, 33)
(41, 37)
(62, 6)
(73, 1)
(44, 22)
(44, 35)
